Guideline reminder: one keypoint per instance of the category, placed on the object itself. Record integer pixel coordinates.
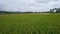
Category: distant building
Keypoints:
(57, 10)
(54, 10)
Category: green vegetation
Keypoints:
(30, 23)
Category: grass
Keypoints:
(30, 24)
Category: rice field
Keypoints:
(30, 23)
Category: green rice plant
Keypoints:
(30, 23)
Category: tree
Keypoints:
(51, 10)
(57, 10)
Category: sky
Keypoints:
(28, 5)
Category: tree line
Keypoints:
(54, 10)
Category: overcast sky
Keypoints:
(28, 5)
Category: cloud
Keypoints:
(44, 1)
(1, 7)
(29, 5)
